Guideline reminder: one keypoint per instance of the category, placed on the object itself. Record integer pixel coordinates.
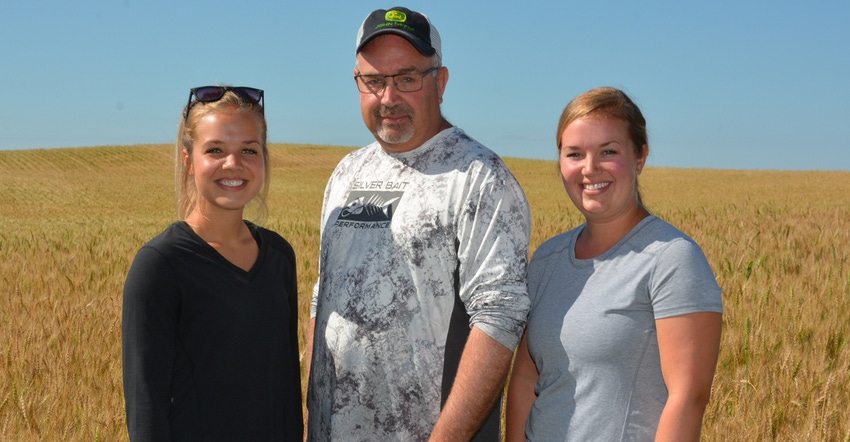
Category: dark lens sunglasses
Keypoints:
(208, 94)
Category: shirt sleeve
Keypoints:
(682, 281)
(149, 319)
(294, 419)
(314, 299)
(493, 235)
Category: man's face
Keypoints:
(400, 121)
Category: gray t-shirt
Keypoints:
(591, 330)
(409, 241)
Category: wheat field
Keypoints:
(71, 221)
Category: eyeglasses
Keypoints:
(406, 82)
(208, 94)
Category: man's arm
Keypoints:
(308, 359)
(308, 352)
(311, 330)
(493, 236)
(479, 382)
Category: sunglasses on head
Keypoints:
(208, 94)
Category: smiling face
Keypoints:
(599, 167)
(400, 121)
(227, 162)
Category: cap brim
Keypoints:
(423, 48)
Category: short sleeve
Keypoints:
(682, 281)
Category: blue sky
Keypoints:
(723, 84)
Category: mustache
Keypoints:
(392, 111)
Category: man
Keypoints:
(421, 298)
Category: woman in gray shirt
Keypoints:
(624, 329)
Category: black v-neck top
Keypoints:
(210, 350)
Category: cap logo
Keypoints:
(394, 15)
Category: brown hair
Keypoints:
(610, 103)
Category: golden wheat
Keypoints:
(71, 221)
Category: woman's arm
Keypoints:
(148, 331)
(295, 356)
(521, 394)
(689, 346)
